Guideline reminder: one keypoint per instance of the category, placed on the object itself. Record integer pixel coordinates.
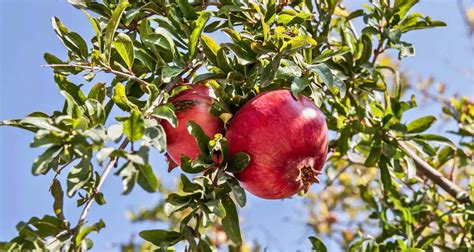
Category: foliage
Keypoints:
(308, 47)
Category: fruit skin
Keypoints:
(192, 104)
(286, 140)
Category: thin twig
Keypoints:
(104, 175)
(330, 182)
(106, 70)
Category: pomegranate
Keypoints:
(286, 139)
(192, 104)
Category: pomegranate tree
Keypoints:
(286, 139)
(192, 104)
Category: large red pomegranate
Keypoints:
(192, 104)
(286, 140)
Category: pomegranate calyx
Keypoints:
(308, 177)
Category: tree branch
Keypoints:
(434, 175)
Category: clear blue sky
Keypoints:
(26, 34)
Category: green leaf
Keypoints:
(98, 92)
(70, 89)
(112, 27)
(134, 126)
(187, 9)
(211, 48)
(94, 111)
(298, 85)
(42, 163)
(374, 155)
(201, 138)
(120, 98)
(78, 176)
(243, 56)
(365, 51)
(85, 230)
(169, 72)
(317, 244)
(188, 166)
(406, 50)
(421, 124)
(328, 54)
(188, 186)
(166, 113)
(403, 6)
(58, 195)
(175, 202)
(129, 175)
(147, 179)
(99, 198)
(436, 138)
(124, 46)
(71, 40)
(265, 27)
(198, 27)
(298, 43)
(324, 72)
(238, 192)
(156, 137)
(238, 162)
(385, 174)
(161, 238)
(230, 222)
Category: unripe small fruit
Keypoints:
(286, 139)
(193, 104)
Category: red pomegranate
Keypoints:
(286, 140)
(193, 104)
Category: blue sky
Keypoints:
(26, 34)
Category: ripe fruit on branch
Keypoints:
(286, 140)
(193, 104)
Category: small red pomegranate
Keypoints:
(286, 140)
(193, 104)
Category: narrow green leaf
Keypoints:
(374, 155)
(421, 124)
(42, 163)
(238, 162)
(436, 138)
(155, 137)
(112, 27)
(124, 46)
(161, 238)
(324, 72)
(385, 174)
(201, 138)
(317, 244)
(211, 48)
(298, 85)
(147, 179)
(238, 192)
(406, 50)
(98, 92)
(85, 230)
(134, 126)
(120, 98)
(78, 176)
(166, 113)
(198, 27)
(298, 43)
(58, 195)
(230, 222)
